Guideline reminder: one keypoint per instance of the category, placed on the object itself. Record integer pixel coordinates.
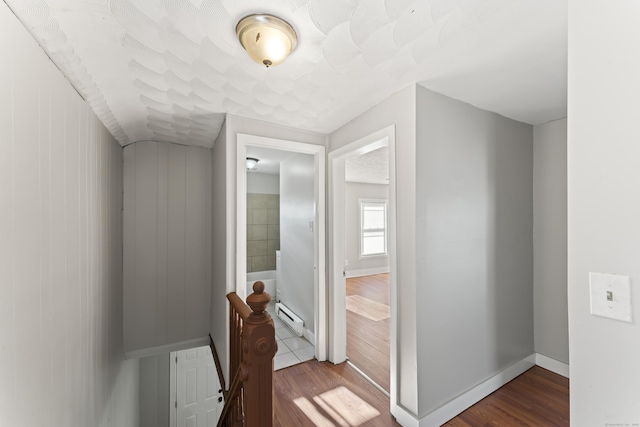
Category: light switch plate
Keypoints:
(610, 296)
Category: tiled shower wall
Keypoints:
(263, 231)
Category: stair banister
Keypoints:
(249, 400)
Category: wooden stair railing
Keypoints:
(249, 399)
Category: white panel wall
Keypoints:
(297, 210)
(61, 361)
(603, 206)
(154, 391)
(167, 244)
(354, 191)
(474, 246)
(550, 240)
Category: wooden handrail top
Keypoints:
(256, 303)
(238, 305)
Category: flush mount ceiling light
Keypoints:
(267, 39)
(252, 162)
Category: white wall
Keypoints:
(354, 191)
(474, 248)
(398, 109)
(167, 245)
(297, 210)
(603, 206)
(61, 360)
(551, 325)
(263, 183)
(154, 391)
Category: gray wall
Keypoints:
(551, 324)
(263, 183)
(473, 246)
(61, 358)
(603, 206)
(167, 244)
(154, 391)
(297, 210)
(353, 192)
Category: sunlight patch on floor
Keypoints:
(339, 406)
(312, 412)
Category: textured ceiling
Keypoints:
(371, 167)
(168, 70)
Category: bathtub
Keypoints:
(267, 277)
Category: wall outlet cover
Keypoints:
(610, 296)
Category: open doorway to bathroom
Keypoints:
(280, 245)
(280, 239)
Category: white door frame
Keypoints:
(319, 283)
(173, 389)
(337, 284)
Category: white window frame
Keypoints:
(361, 204)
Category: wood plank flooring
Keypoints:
(323, 394)
(537, 398)
(368, 340)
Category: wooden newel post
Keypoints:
(259, 347)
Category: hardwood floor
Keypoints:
(323, 394)
(368, 340)
(537, 398)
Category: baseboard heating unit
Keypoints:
(290, 319)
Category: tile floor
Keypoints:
(292, 349)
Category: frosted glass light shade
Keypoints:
(267, 39)
(252, 162)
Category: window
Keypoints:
(373, 228)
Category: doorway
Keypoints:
(196, 394)
(306, 158)
(366, 265)
(280, 245)
(338, 260)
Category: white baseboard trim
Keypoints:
(310, 336)
(366, 272)
(477, 393)
(167, 348)
(404, 418)
(552, 365)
